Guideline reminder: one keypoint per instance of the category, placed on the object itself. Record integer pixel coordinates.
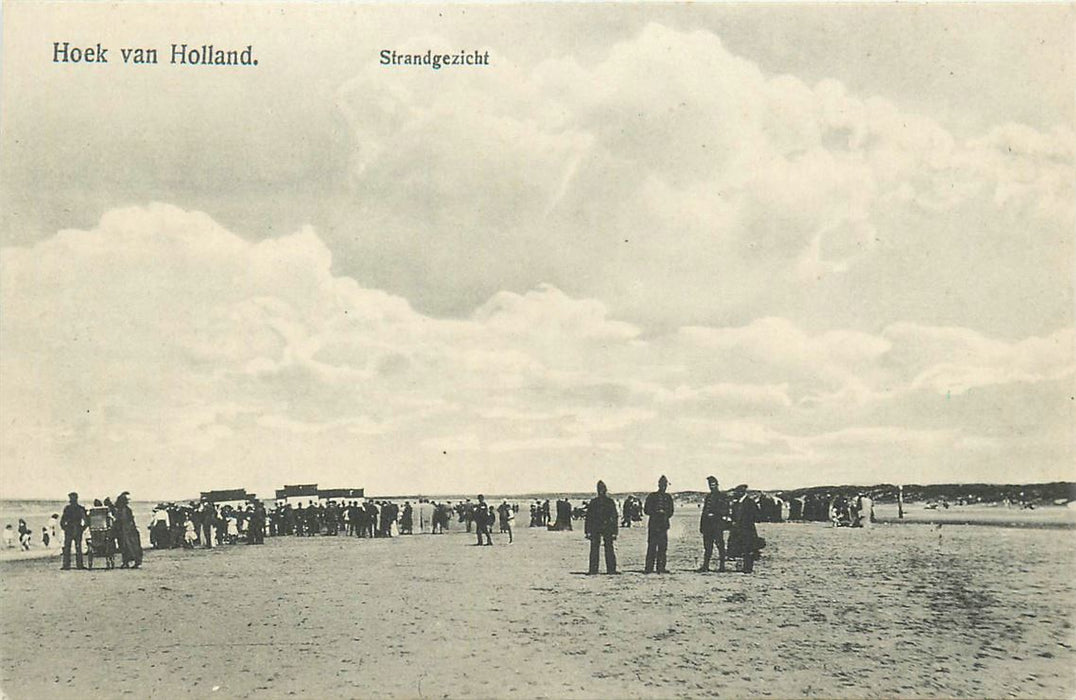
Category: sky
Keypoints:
(786, 245)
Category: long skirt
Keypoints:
(130, 544)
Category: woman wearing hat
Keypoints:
(127, 533)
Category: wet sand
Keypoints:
(909, 611)
(980, 514)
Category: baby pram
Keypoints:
(102, 541)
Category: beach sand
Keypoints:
(896, 610)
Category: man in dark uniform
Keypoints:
(712, 524)
(371, 519)
(743, 539)
(394, 514)
(256, 524)
(208, 512)
(480, 515)
(659, 506)
(600, 527)
(300, 520)
(73, 523)
(362, 519)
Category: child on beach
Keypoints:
(55, 531)
(190, 535)
(24, 535)
(45, 539)
(9, 537)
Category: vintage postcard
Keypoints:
(767, 308)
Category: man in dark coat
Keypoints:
(600, 527)
(384, 528)
(371, 519)
(256, 525)
(743, 539)
(73, 523)
(300, 521)
(713, 522)
(659, 506)
(467, 513)
(480, 515)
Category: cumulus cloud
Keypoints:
(650, 254)
(158, 347)
(681, 183)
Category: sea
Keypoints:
(36, 513)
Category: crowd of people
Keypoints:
(204, 524)
(733, 512)
(727, 523)
(102, 531)
(838, 509)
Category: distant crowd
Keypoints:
(727, 523)
(205, 524)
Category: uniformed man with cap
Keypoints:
(659, 506)
(713, 522)
(73, 521)
(600, 527)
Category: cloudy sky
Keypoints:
(786, 245)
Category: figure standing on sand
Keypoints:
(127, 536)
(24, 535)
(55, 529)
(73, 522)
(659, 506)
(600, 527)
(207, 513)
(507, 515)
(864, 511)
(480, 515)
(743, 539)
(256, 526)
(712, 524)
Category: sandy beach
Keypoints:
(909, 611)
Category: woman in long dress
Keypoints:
(130, 541)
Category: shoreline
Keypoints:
(915, 518)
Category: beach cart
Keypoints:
(102, 540)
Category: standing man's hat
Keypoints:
(740, 487)
(72, 495)
(712, 479)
